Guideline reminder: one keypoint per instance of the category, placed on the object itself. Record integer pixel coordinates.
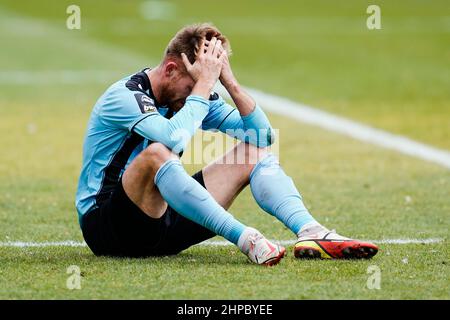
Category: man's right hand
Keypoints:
(206, 68)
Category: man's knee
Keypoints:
(252, 154)
(156, 154)
(248, 156)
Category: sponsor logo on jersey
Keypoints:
(146, 104)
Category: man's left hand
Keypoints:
(226, 75)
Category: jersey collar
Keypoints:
(146, 85)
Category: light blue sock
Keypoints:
(194, 202)
(276, 194)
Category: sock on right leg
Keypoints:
(311, 228)
(276, 194)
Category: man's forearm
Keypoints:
(176, 132)
(252, 119)
(203, 88)
(244, 103)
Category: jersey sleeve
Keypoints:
(176, 132)
(122, 108)
(253, 128)
(135, 111)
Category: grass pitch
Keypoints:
(316, 52)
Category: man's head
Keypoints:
(174, 84)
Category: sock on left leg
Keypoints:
(276, 194)
(194, 202)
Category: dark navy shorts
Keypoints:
(119, 228)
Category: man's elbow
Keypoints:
(176, 139)
(177, 146)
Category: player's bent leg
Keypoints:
(131, 221)
(138, 179)
(188, 200)
(227, 176)
(187, 197)
(276, 193)
(192, 201)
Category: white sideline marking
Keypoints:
(381, 241)
(356, 130)
(29, 244)
(71, 243)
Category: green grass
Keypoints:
(320, 52)
(207, 273)
(314, 52)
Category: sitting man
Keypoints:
(134, 197)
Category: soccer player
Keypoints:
(135, 199)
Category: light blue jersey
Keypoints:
(126, 118)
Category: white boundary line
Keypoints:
(380, 241)
(72, 243)
(353, 129)
(31, 244)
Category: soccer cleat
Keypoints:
(262, 251)
(327, 244)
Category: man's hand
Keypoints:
(226, 76)
(242, 100)
(207, 67)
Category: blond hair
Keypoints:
(187, 40)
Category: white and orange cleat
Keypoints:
(260, 250)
